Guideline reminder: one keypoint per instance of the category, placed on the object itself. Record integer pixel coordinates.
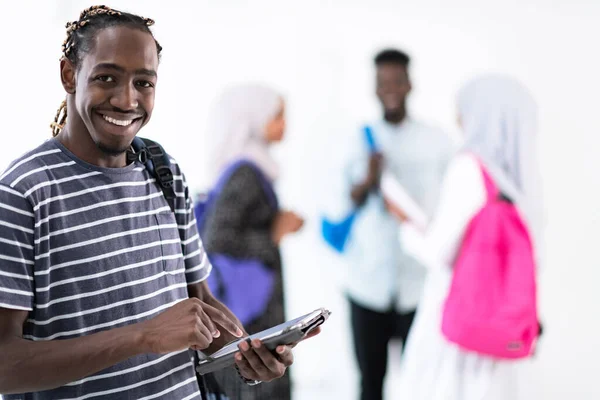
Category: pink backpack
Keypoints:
(491, 307)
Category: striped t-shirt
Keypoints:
(86, 249)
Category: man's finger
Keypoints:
(219, 317)
(267, 358)
(203, 335)
(313, 333)
(245, 370)
(209, 324)
(255, 362)
(285, 354)
(310, 334)
(200, 341)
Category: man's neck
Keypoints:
(395, 118)
(83, 147)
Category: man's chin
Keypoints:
(393, 114)
(111, 143)
(112, 150)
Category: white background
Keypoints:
(318, 53)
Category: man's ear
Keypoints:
(67, 75)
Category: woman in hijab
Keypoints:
(245, 221)
(498, 118)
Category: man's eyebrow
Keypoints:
(118, 68)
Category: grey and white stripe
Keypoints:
(85, 249)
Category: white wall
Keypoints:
(319, 53)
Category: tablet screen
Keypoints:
(266, 334)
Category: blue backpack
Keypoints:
(245, 286)
(336, 233)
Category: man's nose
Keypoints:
(125, 98)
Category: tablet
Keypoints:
(287, 333)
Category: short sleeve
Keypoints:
(197, 264)
(16, 250)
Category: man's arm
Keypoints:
(360, 192)
(30, 366)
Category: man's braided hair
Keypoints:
(79, 41)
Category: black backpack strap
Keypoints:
(158, 165)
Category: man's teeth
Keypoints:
(119, 122)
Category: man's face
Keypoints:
(115, 86)
(393, 86)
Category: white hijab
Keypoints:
(237, 125)
(499, 118)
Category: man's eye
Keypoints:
(105, 78)
(145, 84)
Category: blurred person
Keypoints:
(499, 119)
(384, 283)
(102, 287)
(245, 220)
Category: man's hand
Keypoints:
(191, 323)
(375, 169)
(398, 213)
(256, 362)
(360, 191)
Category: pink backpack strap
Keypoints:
(490, 186)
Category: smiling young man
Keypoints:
(102, 286)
